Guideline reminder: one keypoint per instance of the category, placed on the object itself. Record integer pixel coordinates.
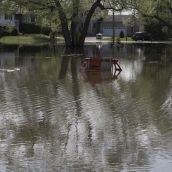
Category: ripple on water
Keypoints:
(54, 118)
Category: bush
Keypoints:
(121, 34)
(1, 31)
(118, 40)
(8, 31)
(25, 29)
(28, 28)
(14, 32)
(157, 30)
(46, 30)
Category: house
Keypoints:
(102, 25)
(7, 20)
(25, 18)
(105, 25)
(16, 19)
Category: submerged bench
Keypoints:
(94, 63)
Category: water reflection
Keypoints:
(54, 118)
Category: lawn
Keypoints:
(26, 39)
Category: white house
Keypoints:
(7, 20)
(15, 19)
(105, 25)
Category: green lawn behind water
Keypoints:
(26, 39)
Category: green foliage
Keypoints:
(12, 6)
(158, 31)
(46, 11)
(129, 22)
(62, 14)
(26, 39)
(156, 12)
(8, 30)
(34, 29)
(156, 15)
(118, 40)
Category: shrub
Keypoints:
(8, 30)
(1, 31)
(46, 30)
(118, 41)
(14, 32)
(29, 28)
(157, 30)
(121, 34)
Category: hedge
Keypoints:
(28, 28)
(8, 30)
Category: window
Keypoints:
(8, 17)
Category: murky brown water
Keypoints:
(56, 116)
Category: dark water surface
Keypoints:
(56, 116)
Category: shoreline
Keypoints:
(43, 39)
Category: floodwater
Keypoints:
(57, 115)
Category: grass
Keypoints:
(26, 39)
(37, 39)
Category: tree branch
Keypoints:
(87, 20)
(64, 23)
(102, 7)
(159, 19)
(38, 3)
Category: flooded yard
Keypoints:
(56, 115)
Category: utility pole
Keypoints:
(113, 25)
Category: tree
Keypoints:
(74, 15)
(156, 15)
(129, 23)
(158, 30)
(121, 34)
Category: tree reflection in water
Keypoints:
(55, 117)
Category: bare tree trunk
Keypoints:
(87, 22)
(74, 24)
(64, 24)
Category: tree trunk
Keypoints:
(64, 24)
(74, 23)
(87, 22)
(73, 32)
(76, 37)
(76, 27)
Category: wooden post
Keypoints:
(113, 28)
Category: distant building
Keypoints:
(16, 19)
(105, 25)
(7, 20)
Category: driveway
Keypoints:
(93, 40)
(90, 40)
